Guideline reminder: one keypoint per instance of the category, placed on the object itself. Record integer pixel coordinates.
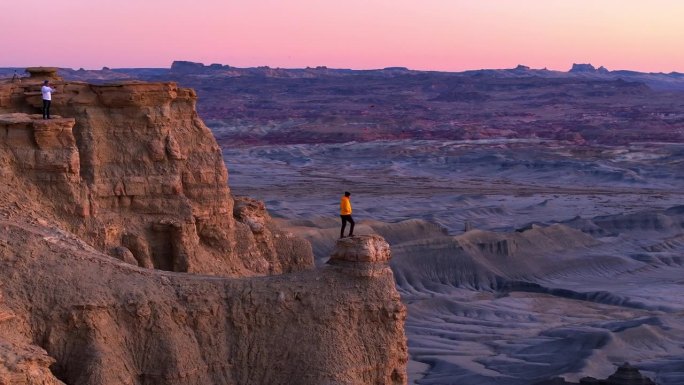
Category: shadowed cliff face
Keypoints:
(134, 171)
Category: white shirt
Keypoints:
(47, 92)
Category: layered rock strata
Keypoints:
(128, 182)
(134, 171)
(362, 255)
(102, 321)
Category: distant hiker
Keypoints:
(47, 91)
(345, 214)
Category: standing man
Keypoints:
(47, 91)
(345, 214)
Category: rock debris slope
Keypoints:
(105, 210)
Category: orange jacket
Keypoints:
(345, 206)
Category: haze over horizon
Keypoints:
(445, 35)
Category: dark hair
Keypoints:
(46, 81)
(347, 193)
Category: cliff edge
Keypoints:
(134, 172)
(103, 211)
(74, 315)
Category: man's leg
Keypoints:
(344, 224)
(48, 108)
(45, 109)
(351, 227)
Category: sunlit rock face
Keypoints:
(105, 208)
(131, 165)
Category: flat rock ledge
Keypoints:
(43, 73)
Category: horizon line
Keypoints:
(345, 68)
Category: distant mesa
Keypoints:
(186, 67)
(582, 68)
(588, 68)
(521, 67)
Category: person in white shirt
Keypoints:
(47, 91)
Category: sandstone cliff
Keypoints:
(97, 204)
(134, 171)
(106, 322)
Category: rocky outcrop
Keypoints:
(21, 363)
(362, 248)
(24, 364)
(363, 255)
(43, 73)
(185, 67)
(281, 250)
(102, 321)
(43, 151)
(588, 68)
(133, 170)
(625, 374)
(129, 182)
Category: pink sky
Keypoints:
(420, 34)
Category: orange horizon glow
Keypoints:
(447, 35)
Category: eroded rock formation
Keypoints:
(21, 363)
(106, 322)
(625, 374)
(131, 176)
(131, 166)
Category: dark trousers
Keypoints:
(46, 109)
(345, 219)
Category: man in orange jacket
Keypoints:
(345, 214)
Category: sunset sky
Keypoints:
(420, 34)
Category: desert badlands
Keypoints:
(535, 220)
